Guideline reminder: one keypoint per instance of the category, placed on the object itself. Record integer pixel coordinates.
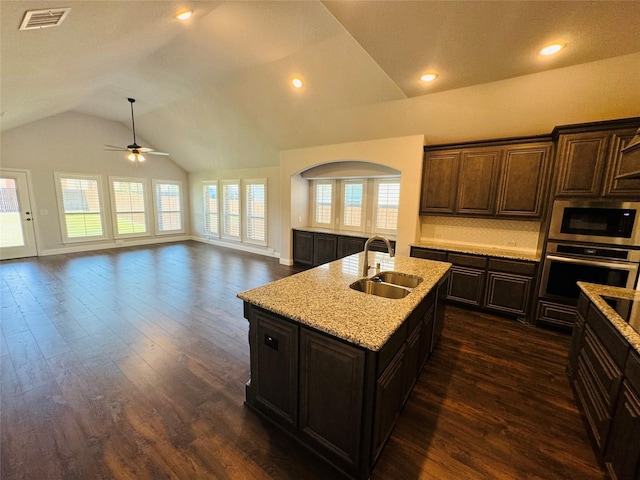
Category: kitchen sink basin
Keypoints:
(398, 278)
(379, 288)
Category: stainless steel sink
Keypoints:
(381, 289)
(398, 278)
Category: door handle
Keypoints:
(28, 219)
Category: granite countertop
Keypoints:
(596, 292)
(499, 252)
(321, 298)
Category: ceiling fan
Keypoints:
(135, 151)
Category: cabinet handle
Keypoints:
(271, 342)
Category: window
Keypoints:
(323, 203)
(129, 207)
(168, 203)
(387, 201)
(353, 204)
(255, 220)
(211, 209)
(231, 209)
(80, 207)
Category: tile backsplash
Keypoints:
(514, 234)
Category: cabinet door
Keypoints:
(582, 158)
(350, 245)
(302, 247)
(477, 181)
(412, 358)
(439, 182)
(274, 366)
(623, 455)
(466, 285)
(509, 293)
(523, 180)
(389, 398)
(331, 396)
(325, 248)
(619, 165)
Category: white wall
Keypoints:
(402, 153)
(272, 174)
(73, 143)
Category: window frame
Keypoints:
(363, 207)
(223, 215)
(114, 206)
(59, 176)
(374, 221)
(314, 205)
(156, 213)
(244, 219)
(206, 212)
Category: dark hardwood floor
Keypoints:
(131, 364)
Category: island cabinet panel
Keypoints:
(439, 182)
(623, 455)
(332, 395)
(477, 182)
(523, 180)
(274, 376)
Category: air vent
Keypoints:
(36, 19)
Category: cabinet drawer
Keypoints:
(512, 266)
(468, 260)
(606, 374)
(613, 342)
(417, 252)
(632, 370)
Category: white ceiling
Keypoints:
(225, 72)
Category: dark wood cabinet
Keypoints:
(523, 180)
(589, 160)
(274, 376)
(605, 376)
(439, 182)
(325, 248)
(477, 181)
(350, 245)
(622, 457)
(302, 247)
(499, 178)
(316, 248)
(331, 396)
(501, 285)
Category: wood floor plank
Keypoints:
(131, 364)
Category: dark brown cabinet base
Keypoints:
(338, 399)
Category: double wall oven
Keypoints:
(590, 241)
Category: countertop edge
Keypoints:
(480, 250)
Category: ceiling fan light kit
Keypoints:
(135, 150)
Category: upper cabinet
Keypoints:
(495, 179)
(589, 160)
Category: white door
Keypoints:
(17, 235)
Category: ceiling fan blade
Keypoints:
(114, 146)
(157, 153)
(144, 149)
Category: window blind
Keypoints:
(168, 207)
(81, 206)
(387, 204)
(131, 217)
(211, 213)
(256, 212)
(231, 209)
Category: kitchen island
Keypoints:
(604, 369)
(333, 366)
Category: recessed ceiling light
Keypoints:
(296, 82)
(428, 77)
(551, 49)
(184, 15)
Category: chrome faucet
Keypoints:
(365, 265)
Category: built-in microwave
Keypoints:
(611, 223)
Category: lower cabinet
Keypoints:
(340, 400)
(605, 376)
(501, 285)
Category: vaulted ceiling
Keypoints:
(223, 76)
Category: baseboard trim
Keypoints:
(115, 244)
(266, 251)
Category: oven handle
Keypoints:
(620, 266)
